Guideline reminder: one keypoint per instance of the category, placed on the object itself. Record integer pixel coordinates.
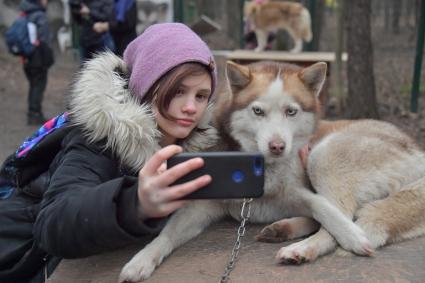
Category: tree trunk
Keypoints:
(387, 15)
(361, 83)
(396, 7)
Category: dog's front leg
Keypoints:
(298, 45)
(288, 229)
(350, 236)
(261, 36)
(184, 225)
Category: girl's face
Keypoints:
(186, 108)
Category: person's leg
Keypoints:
(37, 78)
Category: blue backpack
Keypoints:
(18, 39)
(34, 156)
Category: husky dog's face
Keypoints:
(274, 107)
(149, 13)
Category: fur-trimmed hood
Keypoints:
(102, 105)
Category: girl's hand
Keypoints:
(156, 197)
(100, 27)
(84, 9)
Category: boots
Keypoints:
(35, 118)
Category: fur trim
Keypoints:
(104, 108)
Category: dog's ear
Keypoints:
(314, 76)
(238, 76)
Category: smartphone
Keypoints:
(234, 174)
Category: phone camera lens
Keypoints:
(238, 176)
(258, 166)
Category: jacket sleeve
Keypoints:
(102, 11)
(88, 208)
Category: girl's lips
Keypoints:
(185, 122)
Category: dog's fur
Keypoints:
(273, 15)
(271, 108)
(374, 174)
(151, 12)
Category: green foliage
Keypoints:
(406, 89)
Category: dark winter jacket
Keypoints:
(86, 201)
(43, 54)
(100, 11)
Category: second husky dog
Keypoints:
(273, 15)
(374, 174)
(271, 108)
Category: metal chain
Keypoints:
(245, 214)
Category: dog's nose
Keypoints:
(276, 147)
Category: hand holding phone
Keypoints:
(234, 174)
(156, 196)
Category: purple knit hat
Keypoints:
(160, 48)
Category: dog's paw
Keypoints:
(297, 253)
(274, 233)
(136, 270)
(356, 241)
(343, 253)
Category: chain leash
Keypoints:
(245, 214)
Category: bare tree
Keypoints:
(396, 7)
(361, 83)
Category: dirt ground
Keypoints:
(203, 260)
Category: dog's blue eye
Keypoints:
(258, 111)
(291, 112)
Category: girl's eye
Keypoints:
(258, 111)
(291, 112)
(180, 91)
(201, 97)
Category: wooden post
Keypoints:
(337, 75)
(418, 61)
(242, 24)
(179, 11)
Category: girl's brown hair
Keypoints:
(165, 89)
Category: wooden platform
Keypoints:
(247, 56)
(204, 258)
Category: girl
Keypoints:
(108, 186)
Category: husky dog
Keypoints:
(151, 12)
(273, 15)
(374, 174)
(272, 108)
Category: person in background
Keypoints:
(105, 184)
(123, 30)
(37, 65)
(94, 18)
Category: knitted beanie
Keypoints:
(160, 48)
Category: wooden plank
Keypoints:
(204, 258)
(283, 56)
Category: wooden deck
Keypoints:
(204, 258)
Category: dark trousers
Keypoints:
(122, 39)
(37, 79)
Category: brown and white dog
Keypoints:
(271, 16)
(271, 108)
(370, 171)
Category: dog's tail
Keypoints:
(306, 22)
